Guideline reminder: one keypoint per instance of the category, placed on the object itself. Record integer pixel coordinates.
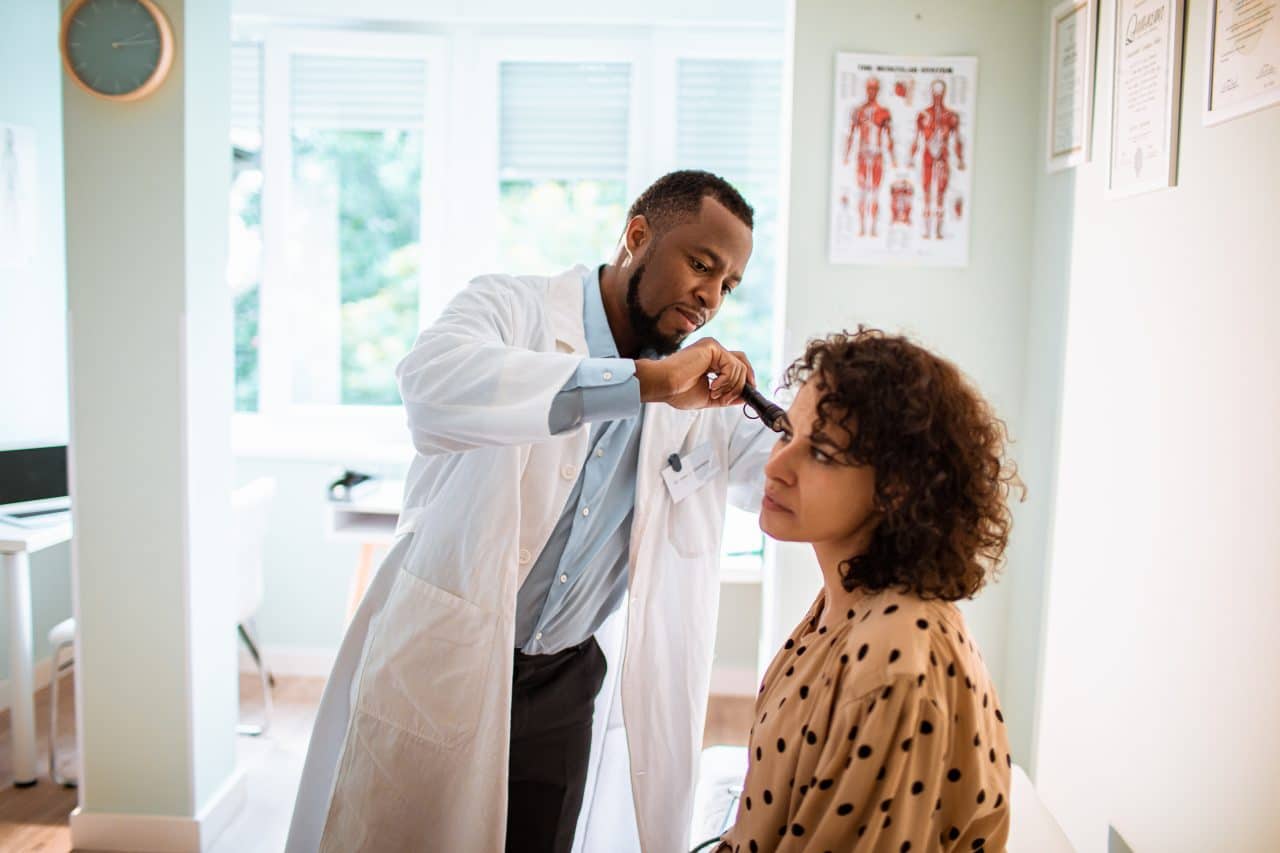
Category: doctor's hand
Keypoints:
(681, 380)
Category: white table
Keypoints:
(16, 544)
(371, 521)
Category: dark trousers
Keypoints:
(552, 701)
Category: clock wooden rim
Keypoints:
(152, 83)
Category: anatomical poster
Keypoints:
(902, 157)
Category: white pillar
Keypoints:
(151, 374)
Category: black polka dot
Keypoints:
(872, 706)
(933, 659)
(999, 716)
(822, 630)
(951, 670)
(960, 637)
(999, 801)
(922, 624)
(926, 727)
(887, 692)
(982, 796)
(953, 833)
(917, 787)
(894, 655)
(862, 830)
(800, 650)
(844, 809)
(759, 754)
(782, 745)
(797, 829)
(942, 627)
(1008, 759)
(906, 845)
(804, 789)
(884, 806)
(850, 614)
(762, 716)
(953, 775)
(825, 784)
(862, 652)
(984, 700)
(804, 691)
(811, 738)
(977, 741)
(853, 733)
(768, 797)
(790, 644)
(880, 775)
(937, 807)
(977, 842)
(906, 745)
(892, 608)
(844, 658)
(888, 819)
(748, 802)
(864, 751)
(992, 756)
(920, 680)
(968, 682)
(782, 830)
(755, 848)
(790, 670)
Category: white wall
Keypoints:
(975, 316)
(1160, 680)
(33, 325)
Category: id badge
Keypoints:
(697, 467)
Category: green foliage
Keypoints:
(546, 226)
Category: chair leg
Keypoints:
(54, 774)
(267, 680)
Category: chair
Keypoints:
(62, 637)
(250, 505)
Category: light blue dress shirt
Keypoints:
(580, 577)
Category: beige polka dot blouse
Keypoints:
(876, 730)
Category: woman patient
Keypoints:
(877, 726)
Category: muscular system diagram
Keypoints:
(871, 130)
(938, 127)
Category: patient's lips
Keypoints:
(771, 504)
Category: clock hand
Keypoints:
(132, 43)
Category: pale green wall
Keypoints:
(33, 311)
(976, 316)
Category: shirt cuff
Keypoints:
(601, 389)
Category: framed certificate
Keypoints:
(1146, 86)
(1072, 36)
(1243, 64)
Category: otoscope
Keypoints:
(768, 411)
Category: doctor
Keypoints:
(545, 414)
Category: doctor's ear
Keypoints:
(635, 238)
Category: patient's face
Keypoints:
(813, 491)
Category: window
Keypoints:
(244, 250)
(563, 129)
(356, 142)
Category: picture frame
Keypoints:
(1251, 56)
(1069, 146)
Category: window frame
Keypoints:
(463, 65)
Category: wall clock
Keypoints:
(120, 50)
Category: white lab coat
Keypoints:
(410, 746)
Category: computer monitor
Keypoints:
(33, 482)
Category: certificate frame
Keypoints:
(1209, 115)
(1165, 174)
(1057, 160)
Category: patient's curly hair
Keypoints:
(938, 450)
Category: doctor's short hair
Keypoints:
(942, 476)
(677, 197)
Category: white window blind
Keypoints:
(246, 85)
(727, 117)
(564, 120)
(357, 92)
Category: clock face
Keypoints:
(115, 47)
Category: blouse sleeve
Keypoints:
(879, 778)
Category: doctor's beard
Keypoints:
(645, 326)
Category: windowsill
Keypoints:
(356, 437)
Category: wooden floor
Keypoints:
(35, 819)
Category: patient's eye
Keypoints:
(820, 456)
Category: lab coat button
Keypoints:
(525, 555)
(568, 472)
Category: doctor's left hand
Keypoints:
(681, 380)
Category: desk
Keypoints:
(16, 544)
(369, 520)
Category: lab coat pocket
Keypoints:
(692, 525)
(427, 662)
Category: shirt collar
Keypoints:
(600, 343)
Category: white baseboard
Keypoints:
(39, 679)
(161, 834)
(304, 661)
(734, 681)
